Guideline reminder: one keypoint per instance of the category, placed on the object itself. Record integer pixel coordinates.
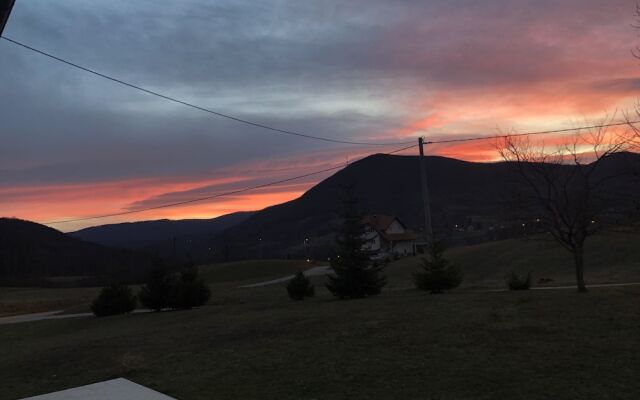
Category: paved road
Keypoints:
(597, 285)
(16, 319)
(315, 271)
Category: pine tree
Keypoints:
(355, 276)
(437, 273)
(156, 292)
(300, 287)
(189, 290)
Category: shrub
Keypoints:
(114, 299)
(516, 281)
(437, 274)
(156, 292)
(300, 287)
(189, 290)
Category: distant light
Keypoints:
(523, 224)
(308, 260)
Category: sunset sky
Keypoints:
(74, 145)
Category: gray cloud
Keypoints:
(333, 68)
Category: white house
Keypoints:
(387, 235)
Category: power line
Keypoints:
(532, 133)
(197, 107)
(215, 195)
(289, 132)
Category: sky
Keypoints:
(74, 145)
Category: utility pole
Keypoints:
(428, 229)
(306, 249)
(5, 10)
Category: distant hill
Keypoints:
(150, 233)
(384, 184)
(461, 193)
(35, 254)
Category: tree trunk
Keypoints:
(578, 258)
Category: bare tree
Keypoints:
(574, 189)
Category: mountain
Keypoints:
(150, 233)
(34, 254)
(461, 193)
(384, 184)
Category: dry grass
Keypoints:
(257, 344)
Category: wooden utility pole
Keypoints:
(5, 10)
(428, 229)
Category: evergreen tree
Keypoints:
(114, 299)
(437, 273)
(300, 287)
(189, 290)
(156, 292)
(355, 276)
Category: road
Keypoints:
(317, 271)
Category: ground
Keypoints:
(403, 344)
(257, 344)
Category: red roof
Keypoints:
(380, 223)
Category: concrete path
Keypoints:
(597, 285)
(16, 319)
(115, 389)
(315, 271)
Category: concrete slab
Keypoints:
(115, 389)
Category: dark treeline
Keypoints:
(35, 255)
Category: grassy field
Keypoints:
(257, 344)
(252, 271)
(609, 259)
(15, 301)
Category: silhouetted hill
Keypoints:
(149, 233)
(460, 192)
(31, 253)
(384, 184)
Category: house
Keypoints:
(387, 235)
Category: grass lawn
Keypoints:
(609, 259)
(14, 301)
(252, 270)
(257, 344)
